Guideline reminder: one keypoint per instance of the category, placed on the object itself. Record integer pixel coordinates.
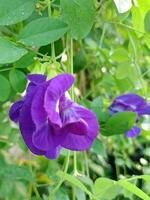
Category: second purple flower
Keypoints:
(133, 103)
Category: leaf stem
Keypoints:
(62, 179)
(52, 44)
(136, 63)
(71, 65)
(75, 163)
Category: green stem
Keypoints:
(136, 63)
(75, 163)
(62, 179)
(72, 97)
(102, 36)
(71, 65)
(52, 45)
(73, 193)
(6, 69)
(86, 164)
(36, 191)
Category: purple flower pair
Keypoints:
(49, 119)
(133, 103)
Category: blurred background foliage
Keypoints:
(111, 59)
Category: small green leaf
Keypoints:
(26, 60)
(61, 194)
(98, 148)
(119, 123)
(106, 188)
(147, 22)
(18, 80)
(120, 55)
(9, 51)
(15, 172)
(145, 177)
(133, 189)
(79, 61)
(4, 88)
(74, 181)
(12, 12)
(42, 31)
(79, 15)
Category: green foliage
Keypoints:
(9, 51)
(133, 189)
(74, 181)
(106, 188)
(26, 60)
(42, 31)
(4, 88)
(98, 148)
(18, 80)
(75, 14)
(119, 123)
(111, 43)
(147, 22)
(12, 12)
(14, 172)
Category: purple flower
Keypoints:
(49, 119)
(133, 103)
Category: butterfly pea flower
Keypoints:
(49, 120)
(133, 103)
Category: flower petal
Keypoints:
(37, 78)
(128, 102)
(14, 111)
(53, 153)
(79, 127)
(26, 124)
(76, 142)
(38, 112)
(90, 118)
(145, 111)
(135, 131)
(57, 87)
(82, 139)
(42, 138)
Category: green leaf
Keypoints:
(15, 172)
(120, 55)
(147, 22)
(133, 189)
(98, 148)
(12, 12)
(74, 181)
(79, 61)
(4, 88)
(26, 60)
(119, 123)
(106, 188)
(61, 194)
(18, 80)
(42, 31)
(138, 15)
(145, 177)
(80, 194)
(126, 70)
(9, 51)
(79, 15)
